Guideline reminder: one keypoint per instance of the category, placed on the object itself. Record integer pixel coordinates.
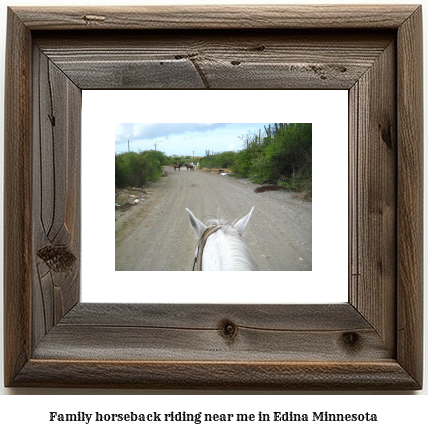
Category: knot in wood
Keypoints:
(351, 340)
(386, 134)
(228, 330)
(57, 258)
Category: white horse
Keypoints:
(220, 246)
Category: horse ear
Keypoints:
(197, 226)
(242, 224)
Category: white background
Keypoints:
(397, 412)
(328, 112)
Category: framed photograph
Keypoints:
(284, 234)
(373, 341)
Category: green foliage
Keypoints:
(172, 161)
(243, 163)
(281, 155)
(220, 160)
(297, 183)
(137, 169)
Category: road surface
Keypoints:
(156, 235)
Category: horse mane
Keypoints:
(241, 258)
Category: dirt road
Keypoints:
(156, 235)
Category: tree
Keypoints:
(137, 169)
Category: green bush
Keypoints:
(134, 169)
(282, 156)
(297, 183)
(222, 160)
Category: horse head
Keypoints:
(220, 246)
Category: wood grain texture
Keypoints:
(55, 194)
(199, 332)
(372, 342)
(216, 59)
(217, 17)
(17, 198)
(373, 164)
(410, 196)
(384, 375)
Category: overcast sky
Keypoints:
(183, 138)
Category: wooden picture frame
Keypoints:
(372, 342)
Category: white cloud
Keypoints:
(182, 138)
(160, 130)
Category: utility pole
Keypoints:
(128, 145)
(159, 141)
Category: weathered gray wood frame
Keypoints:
(372, 342)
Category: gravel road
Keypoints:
(156, 235)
